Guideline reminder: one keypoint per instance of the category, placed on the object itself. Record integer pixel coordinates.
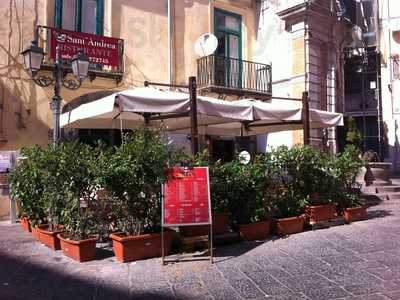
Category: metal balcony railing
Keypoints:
(234, 76)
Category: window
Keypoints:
(80, 15)
(228, 65)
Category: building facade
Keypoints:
(158, 45)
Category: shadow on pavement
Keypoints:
(380, 213)
(23, 280)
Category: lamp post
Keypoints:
(33, 59)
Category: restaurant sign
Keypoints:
(186, 197)
(101, 50)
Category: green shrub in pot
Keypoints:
(133, 177)
(26, 185)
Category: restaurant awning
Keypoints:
(154, 108)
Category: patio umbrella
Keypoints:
(153, 108)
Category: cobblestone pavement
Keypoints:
(357, 261)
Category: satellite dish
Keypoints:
(206, 44)
(244, 157)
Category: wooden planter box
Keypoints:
(318, 213)
(25, 225)
(131, 248)
(355, 214)
(286, 226)
(255, 231)
(81, 251)
(49, 238)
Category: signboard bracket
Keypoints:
(188, 257)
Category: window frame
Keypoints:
(78, 15)
(228, 31)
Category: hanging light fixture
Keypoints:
(80, 65)
(33, 57)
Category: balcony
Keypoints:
(105, 53)
(225, 75)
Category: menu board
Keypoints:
(186, 197)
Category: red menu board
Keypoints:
(186, 197)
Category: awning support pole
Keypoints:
(306, 119)
(193, 115)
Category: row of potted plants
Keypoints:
(73, 195)
(285, 188)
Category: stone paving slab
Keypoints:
(357, 261)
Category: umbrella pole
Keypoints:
(306, 119)
(193, 115)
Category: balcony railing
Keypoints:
(95, 69)
(227, 75)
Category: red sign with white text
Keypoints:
(186, 197)
(101, 50)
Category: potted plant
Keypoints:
(133, 177)
(290, 214)
(241, 187)
(27, 187)
(281, 193)
(347, 165)
(78, 240)
(54, 179)
(319, 209)
(353, 209)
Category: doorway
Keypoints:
(228, 60)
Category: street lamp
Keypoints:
(80, 65)
(33, 58)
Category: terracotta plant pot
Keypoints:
(220, 225)
(35, 232)
(255, 231)
(317, 213)
(355, 214)
(291, 225)
(49, 238)
(131, 248)
(25, 224)
(83, 250)
(190, 231)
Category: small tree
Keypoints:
(133, 177)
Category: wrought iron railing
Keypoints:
(235, 75)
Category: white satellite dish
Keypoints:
(206, 44)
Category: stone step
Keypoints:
(387, 189)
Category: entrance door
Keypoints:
(223, 150)
(228, 64)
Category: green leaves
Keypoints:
(136, 168)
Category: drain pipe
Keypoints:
(170, 41)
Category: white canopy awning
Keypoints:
(153, 107)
